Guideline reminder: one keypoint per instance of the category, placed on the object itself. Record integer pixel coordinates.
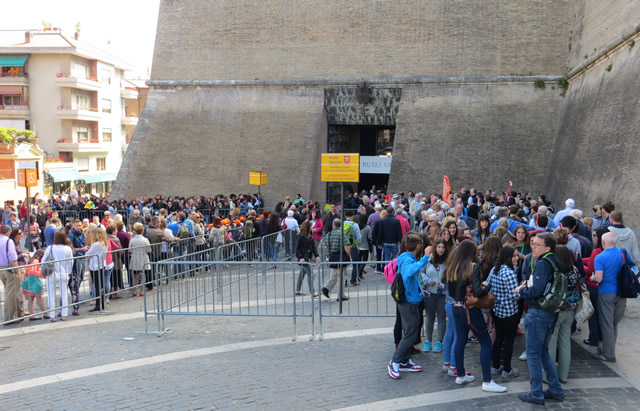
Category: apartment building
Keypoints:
(75, 97)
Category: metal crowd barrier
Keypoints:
(86, 289)
(188, 279)
(276, 246)
(228, 288)
(371, 297)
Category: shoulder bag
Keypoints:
(48, 266)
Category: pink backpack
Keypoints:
(390, 271)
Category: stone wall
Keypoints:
(479, 135)
(595, 156)
(595, 22)
(276, 39)
(196, 141)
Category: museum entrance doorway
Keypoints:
(375, 146)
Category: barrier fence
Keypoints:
(186, 279)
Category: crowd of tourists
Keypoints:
(478, 284)
(473, 263)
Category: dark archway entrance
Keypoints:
(362, 120)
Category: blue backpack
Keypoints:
(628, 284)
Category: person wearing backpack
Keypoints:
(410, 310)
(610, 305)
(539, 323)
(352, 232)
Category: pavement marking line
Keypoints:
(462, 394)
(102, 319)
(178, 355)
(70, 324)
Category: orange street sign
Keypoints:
(32, 177)
(22, 179)
(340, 167)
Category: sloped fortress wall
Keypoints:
(238, 85)
(596, 151)
(479, 135)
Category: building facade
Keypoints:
(485, 92)
(75, 97)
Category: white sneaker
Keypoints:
(465, 379)
(493, 387)
(523, 356)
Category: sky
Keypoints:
(124, 28)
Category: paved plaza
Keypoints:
(203, 362)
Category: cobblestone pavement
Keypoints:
(251, 363)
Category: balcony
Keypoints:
(78, 113)
(57, 162)
(129, 93)
(77, 81)
(19, 79)
(20, 112)
(82, 145)
(130, 120)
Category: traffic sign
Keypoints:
(340, 167)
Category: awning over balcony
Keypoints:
(64, 175)
(13, 60)
(11, 90)
(99, 177)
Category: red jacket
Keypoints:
(590, 266)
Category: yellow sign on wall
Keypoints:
(257, 178)
(340, 167)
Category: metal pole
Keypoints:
(28, 217)
(341, 285)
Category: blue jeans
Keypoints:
(480, 330)
(389, 251)
(355, 256)
(539, 327)
(107, 280)
(450, 337)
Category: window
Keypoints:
(105, 76)
(80, 70)
(106, 135)
(101, 163)
(83, 134)
(106, 105)
(12, 100)
(83, 164)
(82, 102)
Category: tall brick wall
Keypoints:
(479, 135)
(275, 39)
(197, 141)
(595, 22)
(596, 151)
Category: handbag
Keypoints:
(486, 301)
(584, 310)
(48, 266)
(279, 238)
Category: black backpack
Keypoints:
(397, 289)
(628, 285)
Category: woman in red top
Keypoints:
(589, 268)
